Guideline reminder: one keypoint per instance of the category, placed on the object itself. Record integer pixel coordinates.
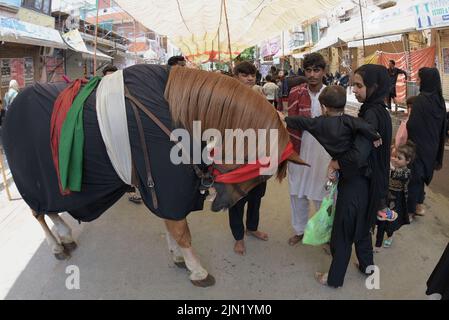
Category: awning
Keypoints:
(395, 20)
(328, 42)
(375, 41)
(339, 34)
(13, 30)
(299, 55)
(379, 24)
(195, 26)
(76, 43)
(91, 52)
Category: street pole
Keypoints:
(229, 36)
(363, 28)
(95, 44)
(135, 41)
(211, 55)
(5, 180)
(283, 52)
(219, 49)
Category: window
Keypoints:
(38, 4)
(46, 7)
(151, 35)
(43, 6)
(315, 32)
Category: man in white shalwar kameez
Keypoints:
(307, 184)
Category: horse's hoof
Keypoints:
(69, 247)
(209, 281)
(181, 265)
(62, 255)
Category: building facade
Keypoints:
(27, 41)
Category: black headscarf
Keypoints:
(430, 81)
(376, 79)
(427, 124)
(373, 110)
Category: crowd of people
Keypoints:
(380, 179)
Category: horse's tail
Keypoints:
(282, 171)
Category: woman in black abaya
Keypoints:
(426, 127)
(363, 185)
(439, 279)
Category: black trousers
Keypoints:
(389, 101)
(391, 97)
(254, 199)
(352, 205)
(382, 228)
(416, 193)
(341, 255)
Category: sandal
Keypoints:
(388, 243)
(135, 199)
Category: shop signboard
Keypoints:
(17, 29)
(11, 3)
(19, 69)
(28, 71)
(432, 14)
(36, 18)
(271, 47)
(5, 72)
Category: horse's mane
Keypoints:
(220, 102)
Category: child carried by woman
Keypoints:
(334, 130)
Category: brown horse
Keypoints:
(218, 102)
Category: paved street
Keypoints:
(124, 255)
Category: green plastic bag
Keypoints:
(319, 228)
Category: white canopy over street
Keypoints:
(198, 27)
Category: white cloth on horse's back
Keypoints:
(111, 114)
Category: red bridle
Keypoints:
(248, 171)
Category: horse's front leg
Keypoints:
(56, 247)
(179, 231)
(175, 251)
(64, 232)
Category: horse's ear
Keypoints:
(297, 160)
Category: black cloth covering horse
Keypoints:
(26, 139)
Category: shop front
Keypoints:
(24, 48)
(431, 16)
(80, 56)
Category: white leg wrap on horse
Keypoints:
(63, 230)
(51, 240)
(174, 248)
(193, 264)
